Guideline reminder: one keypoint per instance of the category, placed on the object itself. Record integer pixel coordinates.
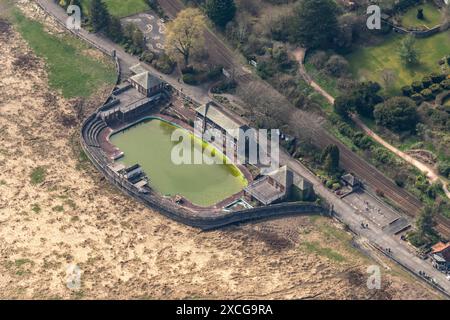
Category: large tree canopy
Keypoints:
(99, 15)
(315, 23)
(220, 11)
(185, 34)
(397, 113)
(330, 158)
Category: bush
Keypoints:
(381, 155)
(214, 73)
(417, 97)
(190, 79)
(400, 179)
(345, 129)
(446, 84)
(337, 66)
(435, 88)
(427, 94)
(417, 86)
(266, 70)
(407, 91)
(426, 82)
(436, 78)
(148, 56)
(223, 87)
(164, 64)
(318, 59)
(362, 141)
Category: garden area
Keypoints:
(413, 19)
(369, 63)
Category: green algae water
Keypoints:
(149, 144)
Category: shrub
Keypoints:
(400, 179)
(337, 66)
(362, 141)
(190, 79)
(148, 56)
(266, 70)
(164, 64)
(446, 84)
(436, 78)
(426, 82)
(223, 87)
(444, 168)
(417, 86)
(417, 97)
(407, 91)
(427, 94)
(435, 88)
(381, 155)
(214, 73)
(318, 59)
(38, 175)
(345, 129)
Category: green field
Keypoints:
(432, 17)
(71, 70)
(121, 8)
(367, 63)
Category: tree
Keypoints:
(115, 31)
(389, 76)
(306, 29)
(366, 97)
(330, 158)
(99, 15)
(185, 34)
(397, 113)
(220, 11)
(408, 51)
(343, 105)
(425, 223)
(420, 14)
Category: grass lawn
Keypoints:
(121, 8)
(367, 63)
(71, 70)
(432, 17)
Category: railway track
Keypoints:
(351, 162)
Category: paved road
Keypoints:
(345, 212)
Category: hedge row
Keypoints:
(428, 88)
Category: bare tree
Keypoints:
(388, 76)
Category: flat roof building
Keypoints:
(279, 185)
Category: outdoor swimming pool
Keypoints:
(149, 144)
